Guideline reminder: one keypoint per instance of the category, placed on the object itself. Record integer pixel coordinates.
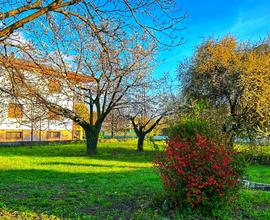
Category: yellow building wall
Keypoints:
(37, 135)
(77, 127)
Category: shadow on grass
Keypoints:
(124, 152)
(72, 195)
(87, 165)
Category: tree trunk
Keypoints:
(112, 133)
(32, 133)
(231, 140)
(40, 130)
(91, 134)
(112, 126)
(140, 142)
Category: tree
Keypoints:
(256, 83)
(16, 14)
(101, 78)
(148, 106)
(12, 20)
(116, 122)
(219, 72)
(143, 126)
(104, 45)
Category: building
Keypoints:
(20, 118)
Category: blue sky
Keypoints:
(245, 19)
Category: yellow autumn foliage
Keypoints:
(83, 112)
(256, 82)
(237, 73)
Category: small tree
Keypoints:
(116, 122)
(147, 107)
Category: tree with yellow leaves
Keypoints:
(235, 75)
(256, 82)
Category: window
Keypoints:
(53, 116)
(77, 134)
(54, 86)
(14, 135)
(15, 110)
(54, 134)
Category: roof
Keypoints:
(24, 64)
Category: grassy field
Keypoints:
(257, 172)
(50, 182)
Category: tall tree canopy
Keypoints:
(235, 75)
(157, 18)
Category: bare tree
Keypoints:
(100, 78)
(161, 16)
(15, 17)
(97, 51)
(148, 106)
(115, 122)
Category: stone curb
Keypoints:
(254, 185)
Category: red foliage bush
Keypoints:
(196, 172)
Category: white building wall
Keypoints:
(64, 99)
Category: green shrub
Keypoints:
(190, 127)
(101, 135)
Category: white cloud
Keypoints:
(18, 39)
(55, 59)
(245, 25)
(251, 22)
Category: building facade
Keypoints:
(21, 119)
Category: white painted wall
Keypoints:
(64, 99)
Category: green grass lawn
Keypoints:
(50, 182)
(259, 173)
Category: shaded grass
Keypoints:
(59, 181)
(77, 194)
(253, 204)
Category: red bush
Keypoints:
(197, 172)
